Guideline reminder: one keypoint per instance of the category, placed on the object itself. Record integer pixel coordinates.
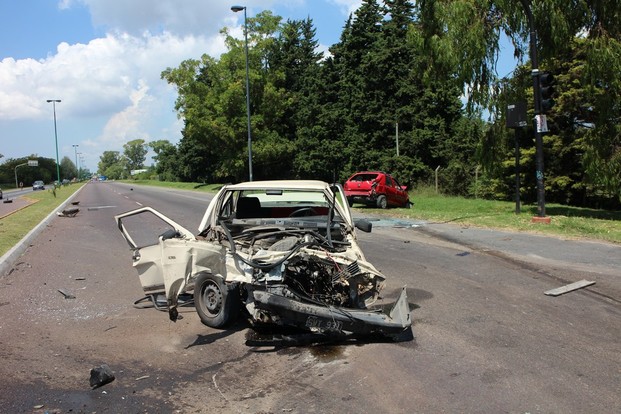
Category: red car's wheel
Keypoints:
(382, 202)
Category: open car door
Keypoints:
(146, 231)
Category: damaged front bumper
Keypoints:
(335, 320)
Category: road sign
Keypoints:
(542, 123)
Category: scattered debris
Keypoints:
(8, 200)
(68, 212)
(66, 294)
(568, 288)
(462, 254)
(101, 376)
(80, 278)
(38, 407)
(75, 203)
(143, 377)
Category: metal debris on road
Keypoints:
(66, 294)
(568, 288)
(68, 212)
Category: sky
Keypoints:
(103, 59)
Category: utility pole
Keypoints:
(541, 204)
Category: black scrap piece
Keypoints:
(101, 376)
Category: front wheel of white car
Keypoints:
(217, 303)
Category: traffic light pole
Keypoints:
(541, 204)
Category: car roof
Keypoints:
(314, 185)
(369, 172)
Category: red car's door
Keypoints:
(398, 196)
(391, 194)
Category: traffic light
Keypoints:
(546, 91)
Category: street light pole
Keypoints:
(81, 159)
(53, 101)
(238, 9)
(75, 149)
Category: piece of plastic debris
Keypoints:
(143, 377)
(463, 254)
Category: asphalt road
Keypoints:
(486, 338)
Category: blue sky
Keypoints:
(103, 59)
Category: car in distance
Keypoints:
(283, 252)
(38, 185)
(376, 189)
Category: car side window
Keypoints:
(388, 182)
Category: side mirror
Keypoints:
(363, 225)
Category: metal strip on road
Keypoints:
(568, 288)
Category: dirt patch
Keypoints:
(9, 206)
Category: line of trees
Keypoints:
(45, 171)
(428, 67)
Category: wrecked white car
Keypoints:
(285, 252)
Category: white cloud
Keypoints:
(347, 6)
(95, 78)
(181, 17)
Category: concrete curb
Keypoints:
(6, 261)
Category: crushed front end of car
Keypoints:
(286, 254)
(317, 287)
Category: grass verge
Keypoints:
(15, 226)
(566, 221)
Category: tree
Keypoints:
(45, 170)
(166, 164)
(68, 170)
(410, 63)
(135, 153)
(112, 165)
(470, 42)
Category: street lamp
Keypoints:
(81, 159)
(238, 9)
(75, 149)
(53, 101)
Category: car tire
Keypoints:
(382, 202)
(217, 303)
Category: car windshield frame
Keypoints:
(318, 194)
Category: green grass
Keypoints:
(15, 226)
(566, 221)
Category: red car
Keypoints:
(376, 188)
